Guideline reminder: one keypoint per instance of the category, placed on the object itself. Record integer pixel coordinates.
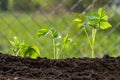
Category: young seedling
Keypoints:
(15, 46)
(66, 43)
(96, 22)
(24, 50)
(54, 35)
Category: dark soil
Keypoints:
(17, 68)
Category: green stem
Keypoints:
(93, 41)
(88, 37)
(61, 49)
(57, 53)
(54, 49)
(17, 53)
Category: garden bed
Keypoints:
(17, 68)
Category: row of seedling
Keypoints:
(94, 22)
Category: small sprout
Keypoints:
(24, 50)
(15, 46)
(15, 42)
(54, 35)
(67, 41)
(100, 21)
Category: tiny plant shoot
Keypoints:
(54, 35)
(24, 50)
(96, 22)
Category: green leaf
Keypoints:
(77, 20)
(102, 14)
(29, 51)
(54, 33)
(23, 49)
(80, 25)
(82, 17)
(103, 19)
(80, 20)
(12, 43)
(67, 39)
(105, 25)
(15, 45)
(33, 52)
(15, 38)
(85, 24)
(42, 32)
(57, 44)
(36, 49)
(91, 18)
(15, 42)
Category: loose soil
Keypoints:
(17, 68)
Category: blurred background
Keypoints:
(23, 18)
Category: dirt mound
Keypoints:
(17, 68)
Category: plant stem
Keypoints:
(93, 41)
(88, 37)
(61, 49)
(17, 53)
(54, 48)
(57, 53)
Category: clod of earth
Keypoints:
(17, 68)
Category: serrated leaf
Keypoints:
(42, 32)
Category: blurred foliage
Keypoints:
(4, 4)
(80, 5)
(25, 5)
(31, 5)
(114, 20)
(101, 3)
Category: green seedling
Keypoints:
(54, 35)
(15, 46)
(96, 22)
(24, 50)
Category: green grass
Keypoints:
(25, 26)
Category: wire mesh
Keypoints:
(25, 20)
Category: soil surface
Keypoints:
(17, 68)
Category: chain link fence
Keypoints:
(23, 18)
